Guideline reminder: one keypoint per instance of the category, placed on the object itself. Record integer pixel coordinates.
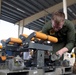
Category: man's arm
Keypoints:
(70, 39)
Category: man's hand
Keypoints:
(62, 51)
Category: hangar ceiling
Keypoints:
(34, 13)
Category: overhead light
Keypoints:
(20, 10)
(41, 20)
(71, 11)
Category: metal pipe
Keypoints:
(65, 8)
(0, 7)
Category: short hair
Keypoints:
(58, 16)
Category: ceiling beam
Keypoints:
(46, 11)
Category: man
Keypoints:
(63, 29)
